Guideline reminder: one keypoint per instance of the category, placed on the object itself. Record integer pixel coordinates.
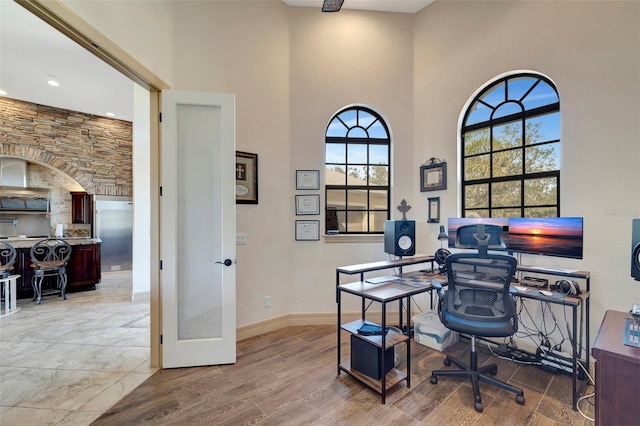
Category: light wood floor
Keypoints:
(289, 377)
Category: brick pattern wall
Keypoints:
(94, 151)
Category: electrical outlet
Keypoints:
(241, 239)
(267, 301)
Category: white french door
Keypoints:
(197, 229)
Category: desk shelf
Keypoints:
(392, 378)
(391, 340)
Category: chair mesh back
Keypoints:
(478, 287)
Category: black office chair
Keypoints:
(478, 302)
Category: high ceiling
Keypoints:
(32, 52)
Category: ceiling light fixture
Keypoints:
(110, 114)
(332, 5)
(2, 93)
(53, 83)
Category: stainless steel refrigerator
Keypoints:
(114, 226)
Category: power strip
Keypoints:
(558, 361)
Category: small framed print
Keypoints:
(433, 177)
(307, 230)
(434, 210)
(307, 179)
(246, 178)
(307, 204)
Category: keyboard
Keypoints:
(631, 333)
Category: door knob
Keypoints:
(227, 262)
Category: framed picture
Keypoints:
(307, 204)
(307, 179)
(433, 177)
(434, 210)
(307, 230)
(246, 178)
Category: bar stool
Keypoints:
(7, 259)
(49, 257)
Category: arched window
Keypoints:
(510, 151)
(357, 170)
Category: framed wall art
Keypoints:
(246, 178)
(307, 230)
(307, 204)
(307, 179)
(434, 210)
(433, 175)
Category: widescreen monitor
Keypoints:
(552, 236)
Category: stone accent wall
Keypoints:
(94, 151)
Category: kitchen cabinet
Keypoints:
(83, 269)
(81, 207)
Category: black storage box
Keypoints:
(365, 358)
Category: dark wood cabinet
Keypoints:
(617, 373)
(84, 266)
(81, 207)
(83, 269)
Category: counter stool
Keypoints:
(7, 259)
(49, 257)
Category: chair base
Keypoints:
(476, 375)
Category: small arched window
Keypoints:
(357, 170)
(510, 153)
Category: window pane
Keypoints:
(357, 132)
(377, 131)
(505, 194)
(335, 175)
(378, 175)
(542, 128)
(335, 153)
(365, 119)
(336, 129)
(476, 142)
(476, 213)
(540, 191)
(541, 95)
(336, 198)
(357, 175)
(505, 212)
(348, 117)
(378, 200)
(476, 167)
(342, 221)
(479, 114)
(357, 222)
(376, 221)
(508, 135)
(506, 109)
(378, 154)
(542, 158)
(495, 96)
(519, 86)
(356, 153)
(476, 196)
(541, 212)
(357, 199)
(507, 163)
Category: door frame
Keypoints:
(65, 20)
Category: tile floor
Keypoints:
(67, 362)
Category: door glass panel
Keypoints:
(199, 289)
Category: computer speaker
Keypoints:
(400, 237)
(635, 249)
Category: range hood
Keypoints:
(14, 194)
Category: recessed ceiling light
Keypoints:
(2, 92)
(53, 83)
(110, 114)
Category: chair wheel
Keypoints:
(520, 399)
(433, 380)
(493, 371)
(478, 406)
(446, 361)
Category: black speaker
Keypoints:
(400, 237)
(635, 249)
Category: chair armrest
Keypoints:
(512, 290)
(437, 284)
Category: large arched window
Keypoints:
(510, 152)
(357, 170)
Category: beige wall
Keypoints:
(292, 68)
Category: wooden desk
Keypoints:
(617, 374)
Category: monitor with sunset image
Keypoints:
(552, 236)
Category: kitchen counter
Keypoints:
(18, 242)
